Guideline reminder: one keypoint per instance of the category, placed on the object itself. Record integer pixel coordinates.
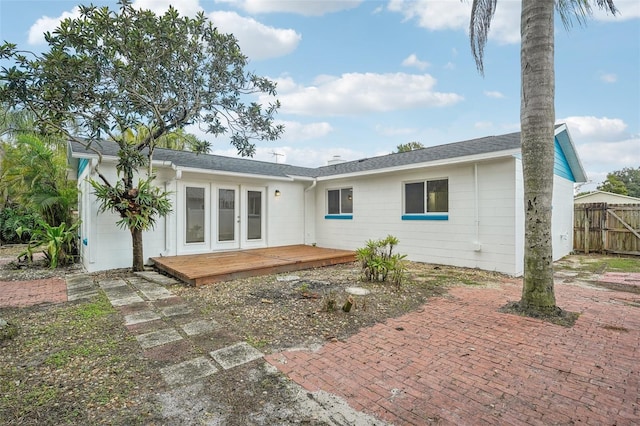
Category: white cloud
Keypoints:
(48, 24)
(627, 10)
(455, 15)
(295, 131)
(608, 77)
(594, 129)
(184, 7)
(603, 145)
(256, 40)
(306, 8)
(600, 158)
(413, 61)
(493, 94)
(358, 93)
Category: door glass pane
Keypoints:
(195, 215)
(254, 215)
(226, 214)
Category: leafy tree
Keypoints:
(537, 119)
(177, 139)
(409, 146)
(107, 73)
(625, 182)
(33, 174)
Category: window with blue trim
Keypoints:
(426, 200)
(340, 203)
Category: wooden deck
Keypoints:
(207, 268)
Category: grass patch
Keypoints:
(610, 264)
(73, 364)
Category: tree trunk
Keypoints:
(138, 257)
(537, 120)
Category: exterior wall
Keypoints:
(378, 210)
(519, 222)
(562, 217)
(106, 246)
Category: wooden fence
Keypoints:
(607, 228)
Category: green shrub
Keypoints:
(379, 263)
(59, 243)
(14, 217)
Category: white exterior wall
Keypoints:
(519, 222)
(106, 246)
(378, 209)
(562, 217)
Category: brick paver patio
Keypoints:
(459, 361)
(27, 293)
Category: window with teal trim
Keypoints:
(340, 203)
(426, 200)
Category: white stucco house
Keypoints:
(458, 204)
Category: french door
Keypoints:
(238, 217)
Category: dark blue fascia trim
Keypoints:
(339, 216)
(425, 217)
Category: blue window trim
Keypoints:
(425, 217)
(339, 216)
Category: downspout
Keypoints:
(476, 213)
(306, 191)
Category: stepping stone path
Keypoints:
(159, 319)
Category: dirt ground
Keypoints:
(76, 363)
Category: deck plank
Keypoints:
(208, 268)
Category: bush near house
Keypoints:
(379, 263)
(13, 217)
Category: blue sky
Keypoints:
(357, 78)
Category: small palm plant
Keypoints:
(378, 261)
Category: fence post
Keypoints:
(587, 236)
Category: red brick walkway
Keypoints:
(459, 361)
(27, 293)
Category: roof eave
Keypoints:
(231, 174)
(427, 164)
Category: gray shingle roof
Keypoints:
(246, 166)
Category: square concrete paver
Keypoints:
(116, 282)
(158, 278)
(188, 371)
(199, 327)
(140, 317)
(157, 338)
(235, 355)
(151, 291)
(175, 310)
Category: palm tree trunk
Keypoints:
(537, 117)
(138, 257)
